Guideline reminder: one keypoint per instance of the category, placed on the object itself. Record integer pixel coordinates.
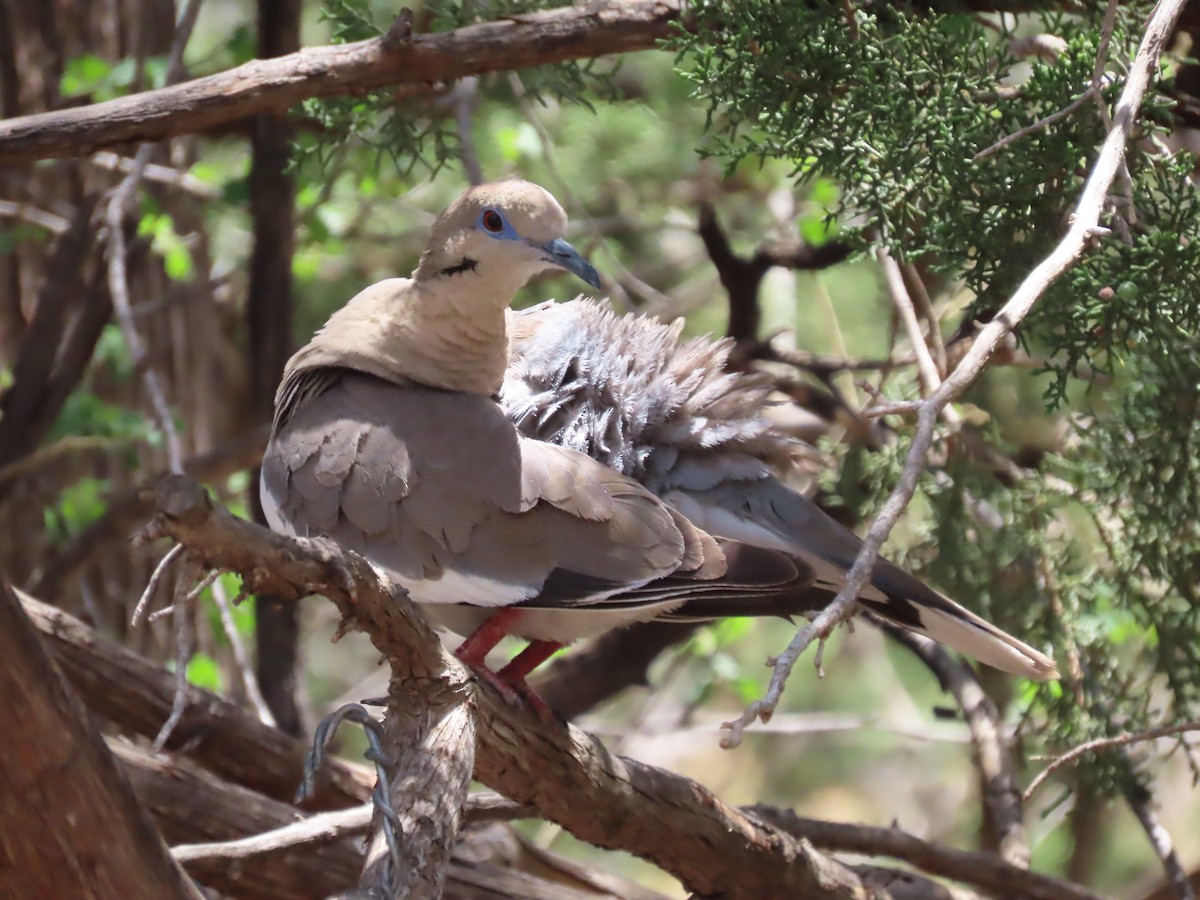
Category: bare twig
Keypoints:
(156, 173)
(118, 281)
(924, 304)
(898, 290)
(1001, 800)
(465, 97)
(825, 364)
(1093, 93)
(23, 212)
(189, 572)
(118, 287)
(1034, 127)
(1139, 801)
(1106, 32)
(139, 611)
(1083, 228)
(318, 829)
(240, 657)
(1099, 744)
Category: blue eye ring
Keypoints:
(492, 221)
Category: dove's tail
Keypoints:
(769, 514)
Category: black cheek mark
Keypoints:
(467, 265)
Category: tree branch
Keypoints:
(1107, 743)
(276, 85)
(741, 277)
(122, 687)
(208, 819)
(565, 775)
(72, 308)
(982, 870)
(1004, 816)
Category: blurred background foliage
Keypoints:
(1065, 511)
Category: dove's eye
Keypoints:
(493, 221)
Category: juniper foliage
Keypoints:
(1098, 547)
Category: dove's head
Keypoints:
(499, 236)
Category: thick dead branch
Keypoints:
(252, 847)
(136, 695)
(191, 805)
(69, 824)
(982, 870)
(563, 774)
(276, 85)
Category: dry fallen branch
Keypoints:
(563, 774)
(982, 870)
(136, 695)
(276, 85)
(208, 819)
(1084, 228)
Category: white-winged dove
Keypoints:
(388, 439)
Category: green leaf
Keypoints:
(83, 75)
(203, 671)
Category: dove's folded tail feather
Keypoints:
(768, 513)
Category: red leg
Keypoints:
(474, 650)
(513, 675)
